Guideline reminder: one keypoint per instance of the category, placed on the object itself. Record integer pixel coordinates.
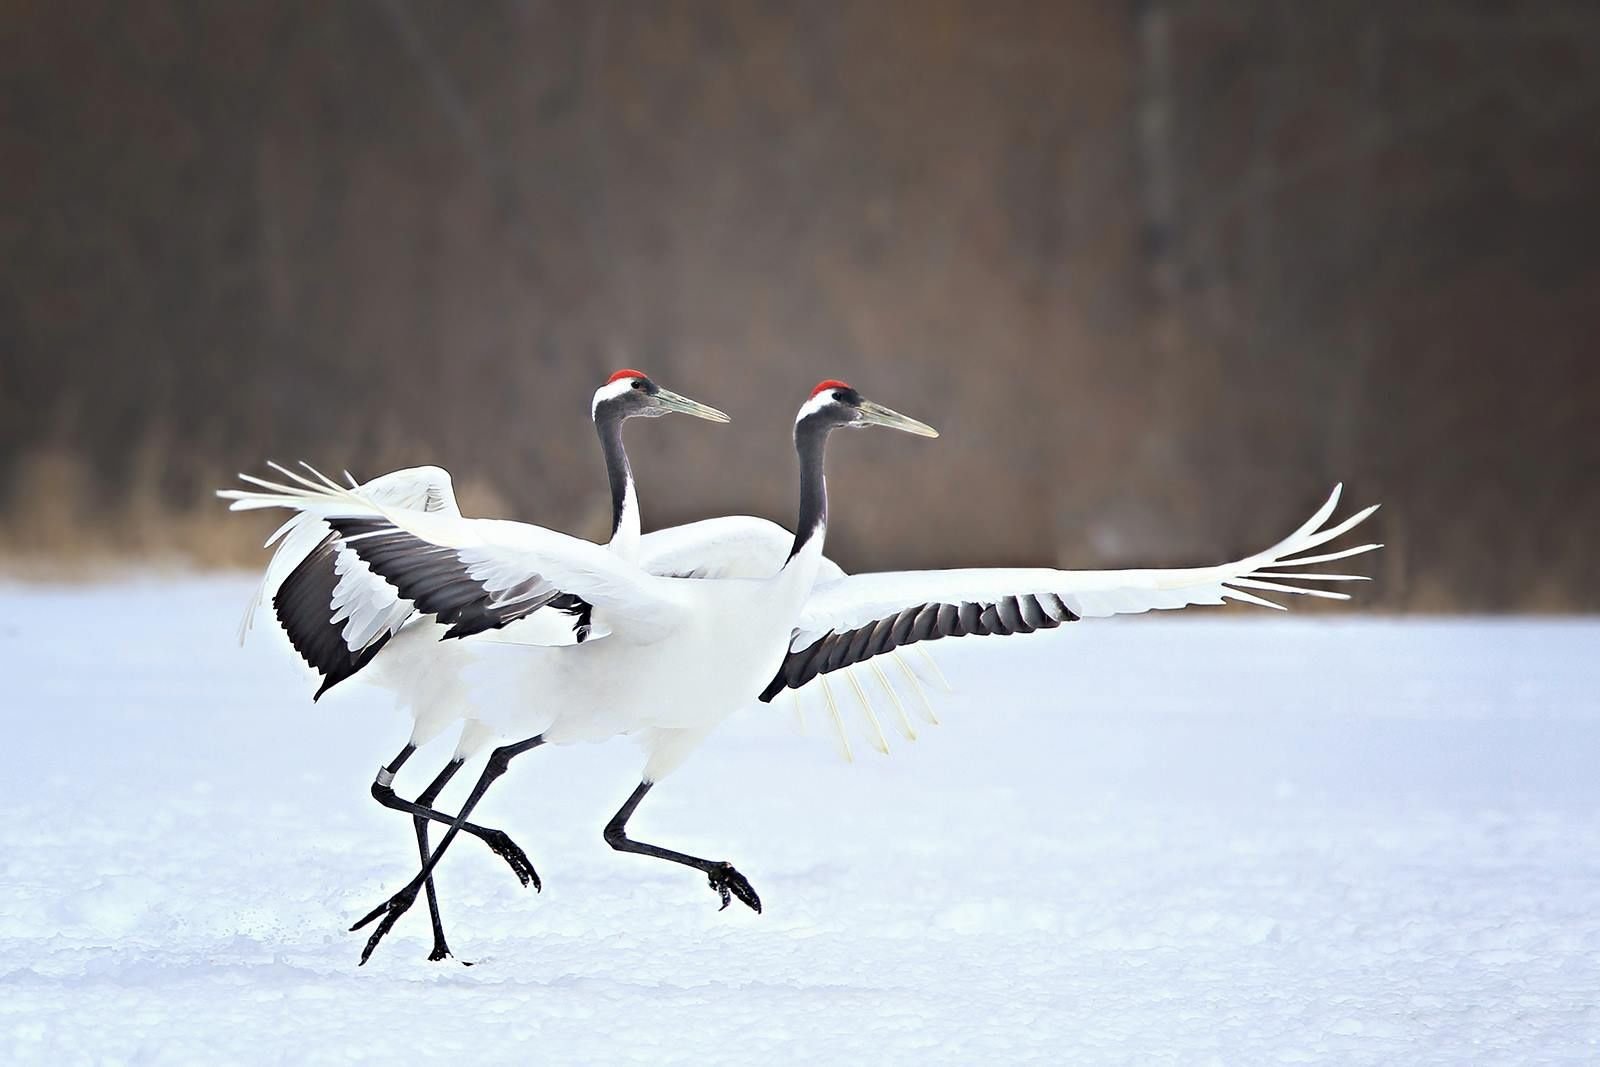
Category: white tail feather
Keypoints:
(1314, 522)
(1268, 575)
(1276, 587)
(1251, 598)
(1306, 561)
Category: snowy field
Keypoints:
(1212, 838)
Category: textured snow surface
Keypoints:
(1220, 837)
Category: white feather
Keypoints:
(847, 603)
(360, 593)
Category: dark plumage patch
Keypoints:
(304, 606)
(435, 579)
(1021, 614)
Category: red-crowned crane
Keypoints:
(346, 621)
(668, 659)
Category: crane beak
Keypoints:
(666, 398)
(878, 415)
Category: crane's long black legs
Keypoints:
(401, 902)
(722, 876)
(425, 799)
(498, 840)
(383, 792)
(421, 811)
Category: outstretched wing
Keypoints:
(419, 488)
(853, 619)
(336, 613)
(474, 574)
(742, 546)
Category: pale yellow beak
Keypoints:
(878, 415)
(678, 402)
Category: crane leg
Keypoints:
(722, 876)
(391, 910)
(498, 840)
(441, 950)
(421, 811)
(383, 792)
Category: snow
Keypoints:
(1216, 838)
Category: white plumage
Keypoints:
(849, 602)
(645, 625)
(427, 676)
(502, 555)
(670, 657)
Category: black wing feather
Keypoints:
(436, 579)
(304, 607)
(922, 622)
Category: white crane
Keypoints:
(347, 622)
(669, 659)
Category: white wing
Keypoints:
(420, 488)
(475, 573)
(732, 546)
(855, 618)
(335, 611)
(742, 546)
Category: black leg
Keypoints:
(401, 902)
(425, 799)
(723, 878)
(384, 782)
(498, 840)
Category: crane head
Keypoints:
(833, 404)
(630, 393)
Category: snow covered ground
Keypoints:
(1217, 837)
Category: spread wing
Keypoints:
(741, 546)
(853, 619)
(475, 574)
(336, 613)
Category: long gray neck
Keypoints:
(625, 523)
(811, 525)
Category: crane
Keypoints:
(345, 621)
(668, 659)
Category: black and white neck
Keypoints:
(824, 412)
(832, 404)
(613, 405)
(625, 395)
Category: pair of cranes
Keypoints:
(532, 637)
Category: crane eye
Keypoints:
(638, 384)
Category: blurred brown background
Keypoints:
(1162, 272)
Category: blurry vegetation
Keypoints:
(1161, 272)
